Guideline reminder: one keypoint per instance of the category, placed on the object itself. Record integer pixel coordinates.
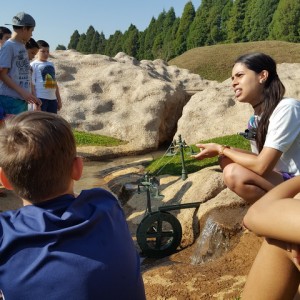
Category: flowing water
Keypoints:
(216, 235)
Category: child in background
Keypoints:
(5, 34)
(43, 79)
(15, 90)
(58, 245)
(32, 49)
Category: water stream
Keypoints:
(216, 235)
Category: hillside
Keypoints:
(215, 62)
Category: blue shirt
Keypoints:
(69, 248)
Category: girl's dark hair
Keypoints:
(273, 91)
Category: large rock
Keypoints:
(138, 102)
(147, 103)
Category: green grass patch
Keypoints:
(91, 139)
(215, 62)
(172, 165)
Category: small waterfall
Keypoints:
(216, 235)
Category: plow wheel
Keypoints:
(159, 234)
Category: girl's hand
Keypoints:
(294, 249)
(207, 150)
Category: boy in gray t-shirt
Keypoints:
(15, 89)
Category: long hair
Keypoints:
(273, 91)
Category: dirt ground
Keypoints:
(223, 278)
(175, 277)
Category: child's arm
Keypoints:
(277, 214)
(27, 96)
(57, 93)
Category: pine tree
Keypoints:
(236, 21)
(81, 44)
(150, 34)
(114, 44)
(286, 21)
(89, 38)
(74, 40)
(258, 18)
(101, 44)
(60, 47)
(171, 24)
(186, 20)
(130, 42)
(199, 28)
(159, 38)
(95, 43)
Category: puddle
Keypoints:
(93, 171)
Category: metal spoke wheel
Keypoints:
(159, 234)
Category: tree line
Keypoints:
(214, 22)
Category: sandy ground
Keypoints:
(176, 277)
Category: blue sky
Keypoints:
(56, 20)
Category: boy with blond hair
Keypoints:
(58, 245)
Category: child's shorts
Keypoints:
(13, 106)
(286, 175)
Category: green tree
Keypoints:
(258, 18)
(81, 44)
(141, 51)
(171, 25)
(89, 38)
(95, 43)
(286, 21)
(101, 43)
(130, 42)
(150, 34)
(114, 43)
(158, 42)
(199, 28)
(74, 40)
(60, 47)
(236, 21)
(186, 20)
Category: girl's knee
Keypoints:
(231, 175)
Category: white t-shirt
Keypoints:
(43, 78)
(284, 135)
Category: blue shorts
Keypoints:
(13, 106)
(286, 175)
(49, 105)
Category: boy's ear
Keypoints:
(77, 168)
(5, 182)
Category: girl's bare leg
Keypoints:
(273, 275)
(247, 184)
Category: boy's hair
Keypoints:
(4, 30)
(31, 44)
(43, 43)
(37, 151)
